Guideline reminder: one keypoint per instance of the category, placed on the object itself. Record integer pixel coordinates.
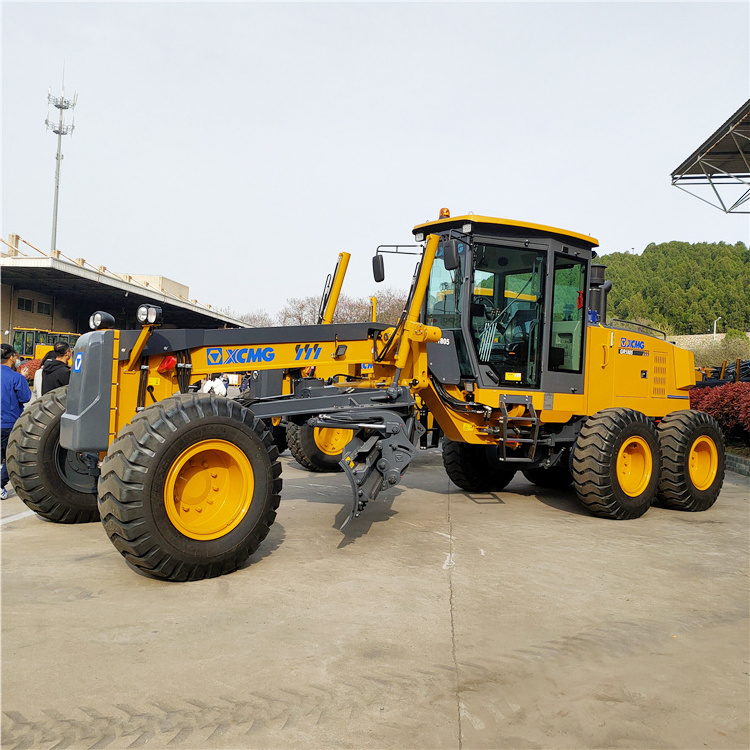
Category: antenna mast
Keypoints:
(60, 129)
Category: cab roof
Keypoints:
(491, 225)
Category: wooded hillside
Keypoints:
(682, 286)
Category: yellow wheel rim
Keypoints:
(209, 489)
(634, 466)
(332, 440)
(703, 462)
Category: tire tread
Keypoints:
(592, 457)
(121, 495)
(677, 431)
(23, 460)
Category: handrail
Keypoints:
(640, 325)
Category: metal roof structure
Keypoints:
(720, 167)
(93, 288)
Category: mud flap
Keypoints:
(376, 458)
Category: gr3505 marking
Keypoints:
(503, 338)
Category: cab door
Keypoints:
(566, 343)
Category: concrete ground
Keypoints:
(439, 619)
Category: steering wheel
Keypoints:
(485, 302)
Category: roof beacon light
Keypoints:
(148, 314)
(445, 213)
(101, 320)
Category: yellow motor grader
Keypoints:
(503, 338)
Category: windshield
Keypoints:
(443, 295)
(506, 311)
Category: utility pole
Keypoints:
(60, 129)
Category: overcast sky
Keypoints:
(239, 147)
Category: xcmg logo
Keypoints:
(245, 356)
(632, 344)
(308, 351)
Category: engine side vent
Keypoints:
(660, 375)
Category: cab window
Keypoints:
(443, 296)
(568, 315)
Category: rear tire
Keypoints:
(692, 460)
(189, 489)
(52, 481)
(616, 464)
(317, 449)
(475, 468)
(278, 432)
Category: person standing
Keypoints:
(15, 393)
(56, 370)
(36, 389)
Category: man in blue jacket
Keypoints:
(15, 393)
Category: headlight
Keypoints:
(100, 320)
(148, 314)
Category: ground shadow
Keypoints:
(377, 511)
(319, 488)
(333, 488)
(274, 540)
(563, 499)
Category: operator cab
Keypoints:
(513, 313)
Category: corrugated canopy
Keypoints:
(727, 151)
(718, 172)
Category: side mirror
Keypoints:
(450, 255)
(378, 268)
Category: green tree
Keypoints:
(682, 285)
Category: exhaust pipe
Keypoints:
(598, 291)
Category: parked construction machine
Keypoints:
(503, 339)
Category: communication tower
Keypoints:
(60, 128)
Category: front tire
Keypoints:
(317, 448)
(54, 482)
(475, 468)
(616, 464)
(190, 488)
(692, 460)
